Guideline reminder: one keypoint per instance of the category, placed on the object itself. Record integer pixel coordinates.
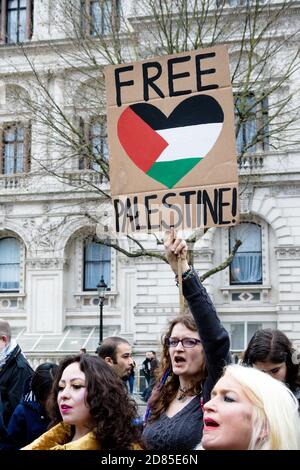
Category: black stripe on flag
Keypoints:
(199, 109)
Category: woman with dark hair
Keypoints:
(272, 352)
(195, 350)
(30, 420)
(89, 408)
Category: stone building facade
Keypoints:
(47, 291)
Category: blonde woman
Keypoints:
(249, 410)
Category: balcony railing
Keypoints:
(84, 179)
(13, 182)
(39, 183)
(251, 162)
(237, 3)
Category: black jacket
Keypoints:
(183, 431)
(146, 367)
(13, 375)
(216, 343)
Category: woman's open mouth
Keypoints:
(210, 424)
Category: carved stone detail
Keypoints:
(205, 253)
(29, 223)
(246, 202)
(288, 189)
(124, 260)
(47, 263)
(283, 252)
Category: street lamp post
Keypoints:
(101, 289)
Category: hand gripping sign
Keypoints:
(172, 142)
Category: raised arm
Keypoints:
(212, 333)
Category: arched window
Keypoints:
(246, 267)
(97, 263)
(9, 264)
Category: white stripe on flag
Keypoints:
(189, 142)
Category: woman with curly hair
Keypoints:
(272, 352)
(89, 408)
(195, 350)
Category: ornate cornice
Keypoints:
(291, 188)
(284, 252)
(46, 263)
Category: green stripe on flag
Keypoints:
(169, 173)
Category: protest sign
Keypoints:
(172, 142)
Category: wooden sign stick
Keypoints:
(179, 270)
(179, 267)
(181, 298)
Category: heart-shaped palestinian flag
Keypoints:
(167, 148)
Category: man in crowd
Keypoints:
(117, 352)
(146, 367)
(152, 365)
(15, 372)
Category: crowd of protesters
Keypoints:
(196, 399)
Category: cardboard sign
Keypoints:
(172, 142)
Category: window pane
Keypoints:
(20, 133)
(9, 159)
(98, 136)
(101, 16)
(16, 21)
(22, 26)
(246, 267)
(95, 140)
(93, 252)
(9, 264)
(249, 234)
(96, 18)
(9, 135)
(12, 26)
(265, 121)
(240, 141)
(250, 134)
(12, 4)
(81, 164)
(97, 263)
(104, 142)
(236, 334)
(107, 17)
(13, 150)
(252, 120)
(20, 158)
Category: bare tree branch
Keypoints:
(159, 27)
(224, 265)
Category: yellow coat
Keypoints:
(58, 438)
